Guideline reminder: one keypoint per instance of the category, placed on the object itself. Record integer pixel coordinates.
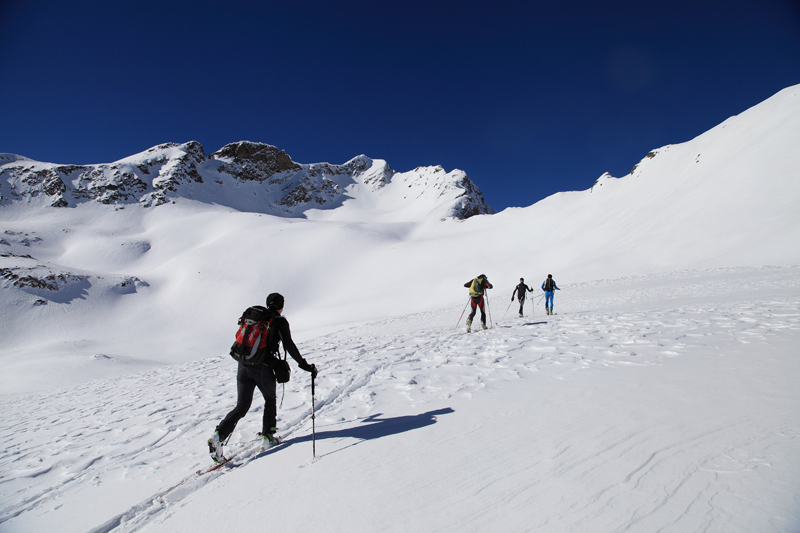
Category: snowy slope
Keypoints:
(641, 410)
(661, 395)
(729, 197)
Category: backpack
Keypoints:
(548, 284)
(476, 289)
(255, 340)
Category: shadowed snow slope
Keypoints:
(663, 395)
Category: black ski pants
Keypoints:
(247, 379)
(521, 303)
(477, 302)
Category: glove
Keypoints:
(308, 368)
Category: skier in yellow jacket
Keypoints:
(477, 287)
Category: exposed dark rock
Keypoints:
(254, 161)
(50, 282)
(470, 202)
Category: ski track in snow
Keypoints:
(152, 426)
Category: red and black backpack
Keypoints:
(256, 340)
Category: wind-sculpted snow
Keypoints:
(631, 410)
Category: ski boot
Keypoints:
(215, 448)
(469, 326)
(269, 439)
(483, 326)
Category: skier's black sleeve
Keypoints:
(282, 326)
(468, 284)
(513, 293)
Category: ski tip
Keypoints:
(213, 467)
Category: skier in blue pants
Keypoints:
(549, 287)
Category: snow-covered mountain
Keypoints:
(147, 242)
(661, 397)
(246, 176)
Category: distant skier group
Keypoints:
(477, 289)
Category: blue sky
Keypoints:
(528, 98)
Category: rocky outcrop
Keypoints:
(108, 185)
(183, 168)
(31, 182)
(470, 202)
(249, 161)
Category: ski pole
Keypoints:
(313, 421)
(491, 325)
(462, 313)
(540, 299)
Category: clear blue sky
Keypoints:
(528, 98)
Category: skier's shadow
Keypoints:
(375, 427)
(540, 323)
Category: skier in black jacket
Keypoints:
(477, 287)
(249, 377)
(520, 291)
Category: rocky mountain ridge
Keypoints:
(244, 175)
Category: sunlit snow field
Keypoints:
(643, 405)
(662, 396)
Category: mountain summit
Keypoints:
(246, 176)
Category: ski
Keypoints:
(249, 451)
(215, 466)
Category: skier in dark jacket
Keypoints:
(249, 377)
(477, 287)
(520, 290)
(549, 287)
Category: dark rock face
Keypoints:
(310, 191)
(249, 161)
(108, 187)
(47, 182)
(471, 202)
